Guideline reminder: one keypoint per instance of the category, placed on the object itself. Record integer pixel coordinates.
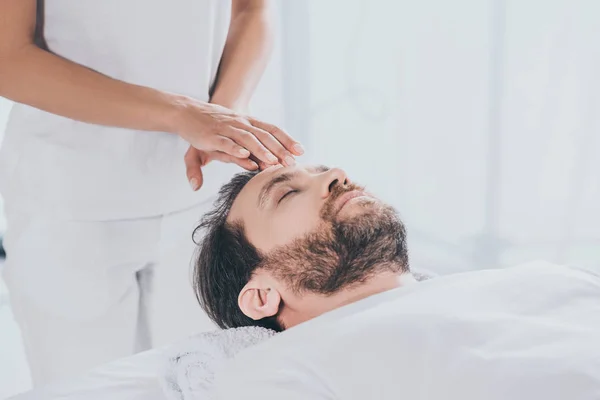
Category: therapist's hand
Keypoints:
(214, 128)
(196, 159)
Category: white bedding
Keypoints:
(183, 370)
(142, 377)
(524, 333)
(190, 367)
(434, 338)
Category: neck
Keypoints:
(309, 306)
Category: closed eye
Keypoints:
(286, 195)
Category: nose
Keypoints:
(331, 178)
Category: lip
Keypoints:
(346, 197)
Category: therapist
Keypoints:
(114, 123)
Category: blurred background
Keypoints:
(479, 120)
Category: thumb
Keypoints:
(193, 168)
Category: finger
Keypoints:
(261, 165)
(193, 168)
(249, 141)
(229, 146)
(285, 157)
(279, 134)
(245, 163)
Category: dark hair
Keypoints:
(225, 262)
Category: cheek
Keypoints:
(286, 226)
(293, 225)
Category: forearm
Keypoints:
(46, 81)
(247, 51)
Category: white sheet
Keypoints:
(137, 377)
(524, 333)
(132, 378)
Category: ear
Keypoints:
(258, 300)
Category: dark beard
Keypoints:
(342, 253)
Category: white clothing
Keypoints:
(530, 332)
(88, 172)
(85, 293)
(95, 214)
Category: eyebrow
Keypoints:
(272, 184)
(279, 179)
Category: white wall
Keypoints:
(4, 110)
(477, 119)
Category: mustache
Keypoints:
(336, 192)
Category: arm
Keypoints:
(244, 59)
(247, 51)
(43, 80)
(46, 81)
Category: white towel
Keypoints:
(191, 364)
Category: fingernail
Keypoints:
(244, 152)
(271, 158)
(298, 148)
(194, 184)
(254, 165)
(289, 160)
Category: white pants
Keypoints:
(85, 293)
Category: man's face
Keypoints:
(282, 204)
(317, 231)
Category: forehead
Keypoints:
(249, 195)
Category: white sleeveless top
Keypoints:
(76, 170)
